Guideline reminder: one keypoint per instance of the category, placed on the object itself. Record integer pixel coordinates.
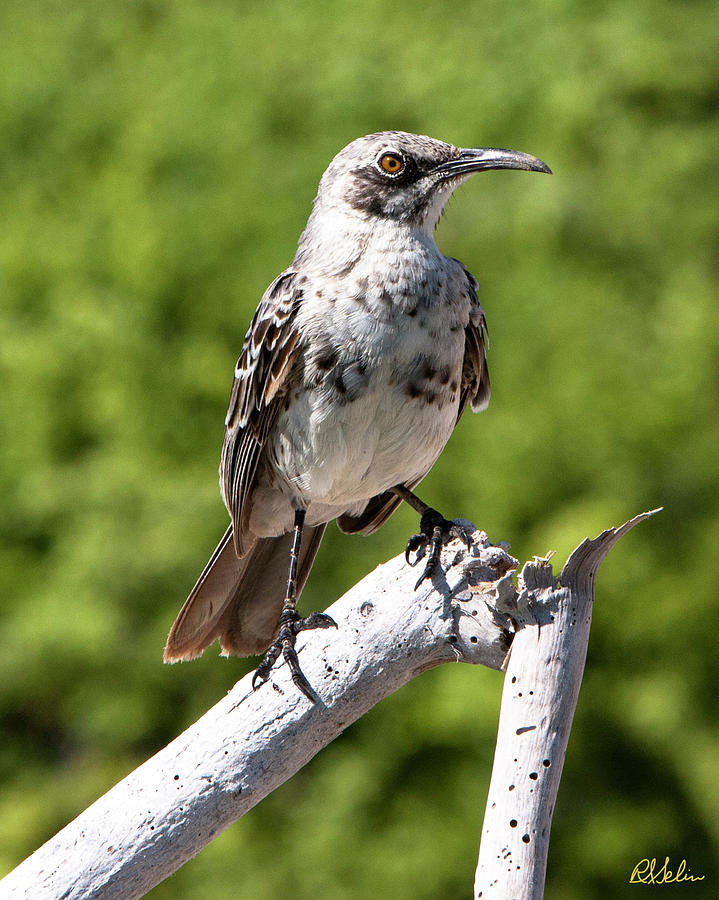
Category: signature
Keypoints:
(647, 871)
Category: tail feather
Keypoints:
(239, 600)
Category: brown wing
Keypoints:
(259, 378)
(475, 375)
(375, 514)
(474, 390)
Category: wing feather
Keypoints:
(260, 375)
(475, 387)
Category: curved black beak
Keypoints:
(481, 158)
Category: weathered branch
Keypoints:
(541, 686)
(169, 808)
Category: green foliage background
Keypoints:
(158, 163)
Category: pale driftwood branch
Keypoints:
(541, 686)
(169, 808)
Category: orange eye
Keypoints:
(391, 164)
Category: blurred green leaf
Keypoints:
(158, 164)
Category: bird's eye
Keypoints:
(391, 163)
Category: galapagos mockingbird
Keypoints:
(358, 363)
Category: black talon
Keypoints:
(459, 531)
(298, 678)
(315, 620)
(414, 543)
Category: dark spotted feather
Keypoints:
(260, 375)
(473, 390)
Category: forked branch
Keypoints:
(169, 808)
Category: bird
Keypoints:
(359, 361)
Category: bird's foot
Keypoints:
(434, 530)
(290, 626)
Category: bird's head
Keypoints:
(407, 178)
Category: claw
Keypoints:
(434, 530)
(414, 543)
(433, 559)
(429, 571)
(290, 626)
(459, 531)
(315, 620)
(298, 677)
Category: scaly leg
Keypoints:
(291, 624)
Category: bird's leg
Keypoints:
(433, 530)
(291, 624)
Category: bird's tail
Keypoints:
(239, 600)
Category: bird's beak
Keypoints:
(478, 159)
